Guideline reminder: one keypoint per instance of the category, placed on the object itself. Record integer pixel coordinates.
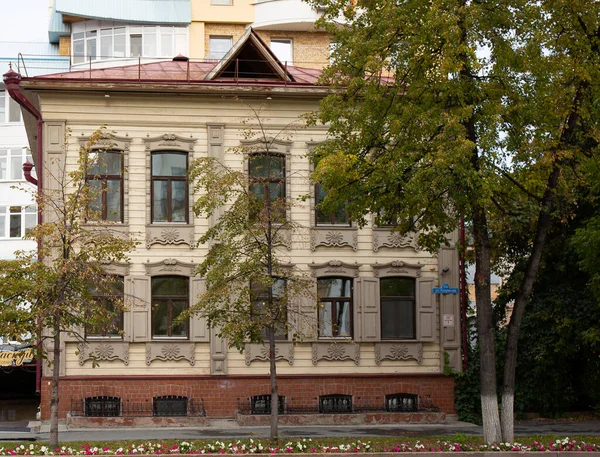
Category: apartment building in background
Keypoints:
(110, 33)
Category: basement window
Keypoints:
(335, 404)
(261, 404)
(102, 406)
(169, 405)
(402, 403)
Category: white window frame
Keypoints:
(6, 212)
(221, 2)
(282, 41)
(9, 107)
(178, 40)
(10, 155)
(212, 53)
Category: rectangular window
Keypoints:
(397, 308)
(282, 48)
(335, 404)
(260, 307)
(105, 178)
(267, 181)
(337, 217)
(218, 46)
(402, 403)
(221, 2)
(135, 45)
(169, 191)
(111, 299)
(335, 307)
(261, 404)
(14, 111)
(3, 97)
(102, 406)
(169, 405)
(17, 221)
(170, 297)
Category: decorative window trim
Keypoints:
(328, 235)
(260, 352)
(386, 237)
(273, 146)
(398, 351)
(334, 351)
(103, 351)
(397, 268)
(114, 268)
(334, 268)
(110, 142)
(169, 267)
(160, 233)
(168, 351)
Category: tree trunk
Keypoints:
(526, 286)
(55, 380)
(543, 224)
(273, 379)
(492, 432)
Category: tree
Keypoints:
(55, 290)
(252, 292)
(446, 108)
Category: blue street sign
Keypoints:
(445, 290)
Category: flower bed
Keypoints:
(304, 446)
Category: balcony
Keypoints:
(293, 15)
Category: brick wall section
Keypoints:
(64, 46)
(230, 30)
(310, 49)
(221, 394)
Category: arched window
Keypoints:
(266, 174)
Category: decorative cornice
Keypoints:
(116, 268)
(396, 268)
(108, 141)
(169, 141)
(170, 351)
(169, 266)
(267, 144)
(103, 351)
(334, 267)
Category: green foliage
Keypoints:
(251, 289)
(54, 293)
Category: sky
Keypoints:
(24, 20)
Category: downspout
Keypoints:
(12, 80)
(463, 294)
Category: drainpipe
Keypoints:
(12, 80)
(463, 294)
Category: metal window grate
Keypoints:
(335, 404)
(261, 404)
(169, 405)
(404, 403)
(102, 406)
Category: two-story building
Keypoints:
(386, 355)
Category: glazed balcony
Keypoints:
(293, 15)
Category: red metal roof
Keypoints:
(178, 71)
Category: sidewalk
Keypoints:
(229, 429)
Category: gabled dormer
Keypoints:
(250, 59)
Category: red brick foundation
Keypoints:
(221, 394)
